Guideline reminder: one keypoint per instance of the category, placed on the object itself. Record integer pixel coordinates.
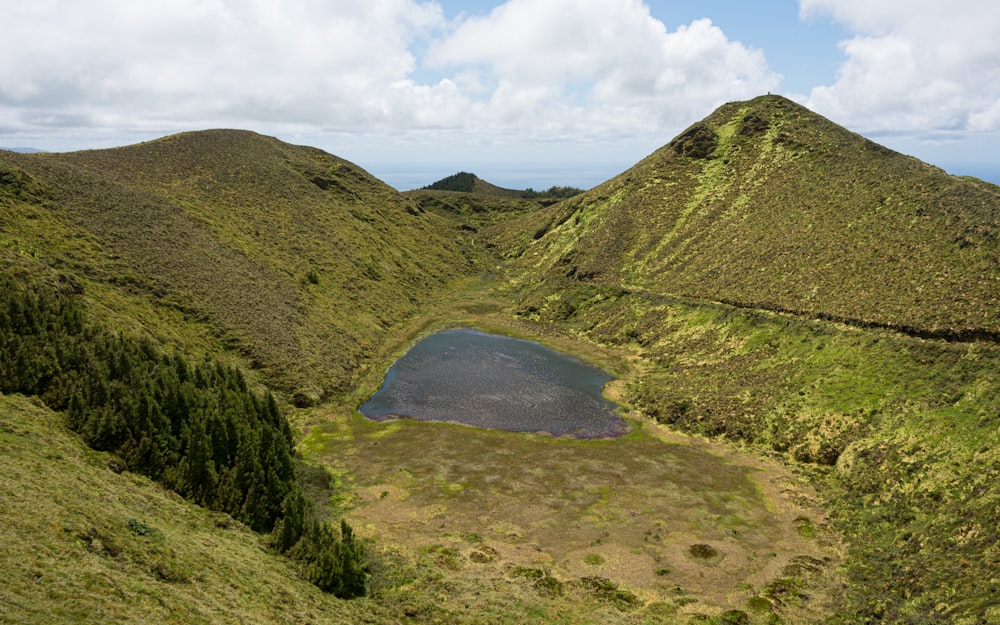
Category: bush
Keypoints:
(703, 552)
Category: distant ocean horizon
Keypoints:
(22, 150)
(989, 173)
(406, 177)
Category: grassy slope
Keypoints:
(83, 544)
(909, 425)
(767, 205)
(299, 259)
(474, 210)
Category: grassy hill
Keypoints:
(465, 182)
(820, 313)
(83, 543)
(478, 204)
(297, 259)
(767, 205)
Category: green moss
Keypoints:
(759, 605)
(805, 527)
(797, 216)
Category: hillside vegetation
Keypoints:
(804, 324)
(82, 543)
(465, 182)
(767, 205)
(298, 259)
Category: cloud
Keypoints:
(919, 67)
(549, 69)
(603, 65)
(207, 61)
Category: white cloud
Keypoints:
(549, 69)
(598, 66)
(920, 67)
(184, 62)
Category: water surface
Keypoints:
(496, 382)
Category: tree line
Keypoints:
(554, 192)
(196, 427)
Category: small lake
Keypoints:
(496, 382)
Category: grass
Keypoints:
(300, 261)
(82, 543)
(786, 212)
(909, 425)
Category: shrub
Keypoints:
(702, 551)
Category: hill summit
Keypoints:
(295, 258)
(465, 182)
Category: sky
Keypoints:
(524, 93)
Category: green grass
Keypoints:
(908, 425)
(83, 544)
(296, 259)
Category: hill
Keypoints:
(82, 543)
(478, 204)
(464, 182)
(299, 260)
(767, 205)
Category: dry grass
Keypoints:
(627, 510)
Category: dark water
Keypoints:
(496, 382)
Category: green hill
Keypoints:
(299, 260)
(83, 543)
(804, 325)
(478, 204)
(790, 285)
(767, 205)
(464, 182)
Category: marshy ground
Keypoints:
(678, 524)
